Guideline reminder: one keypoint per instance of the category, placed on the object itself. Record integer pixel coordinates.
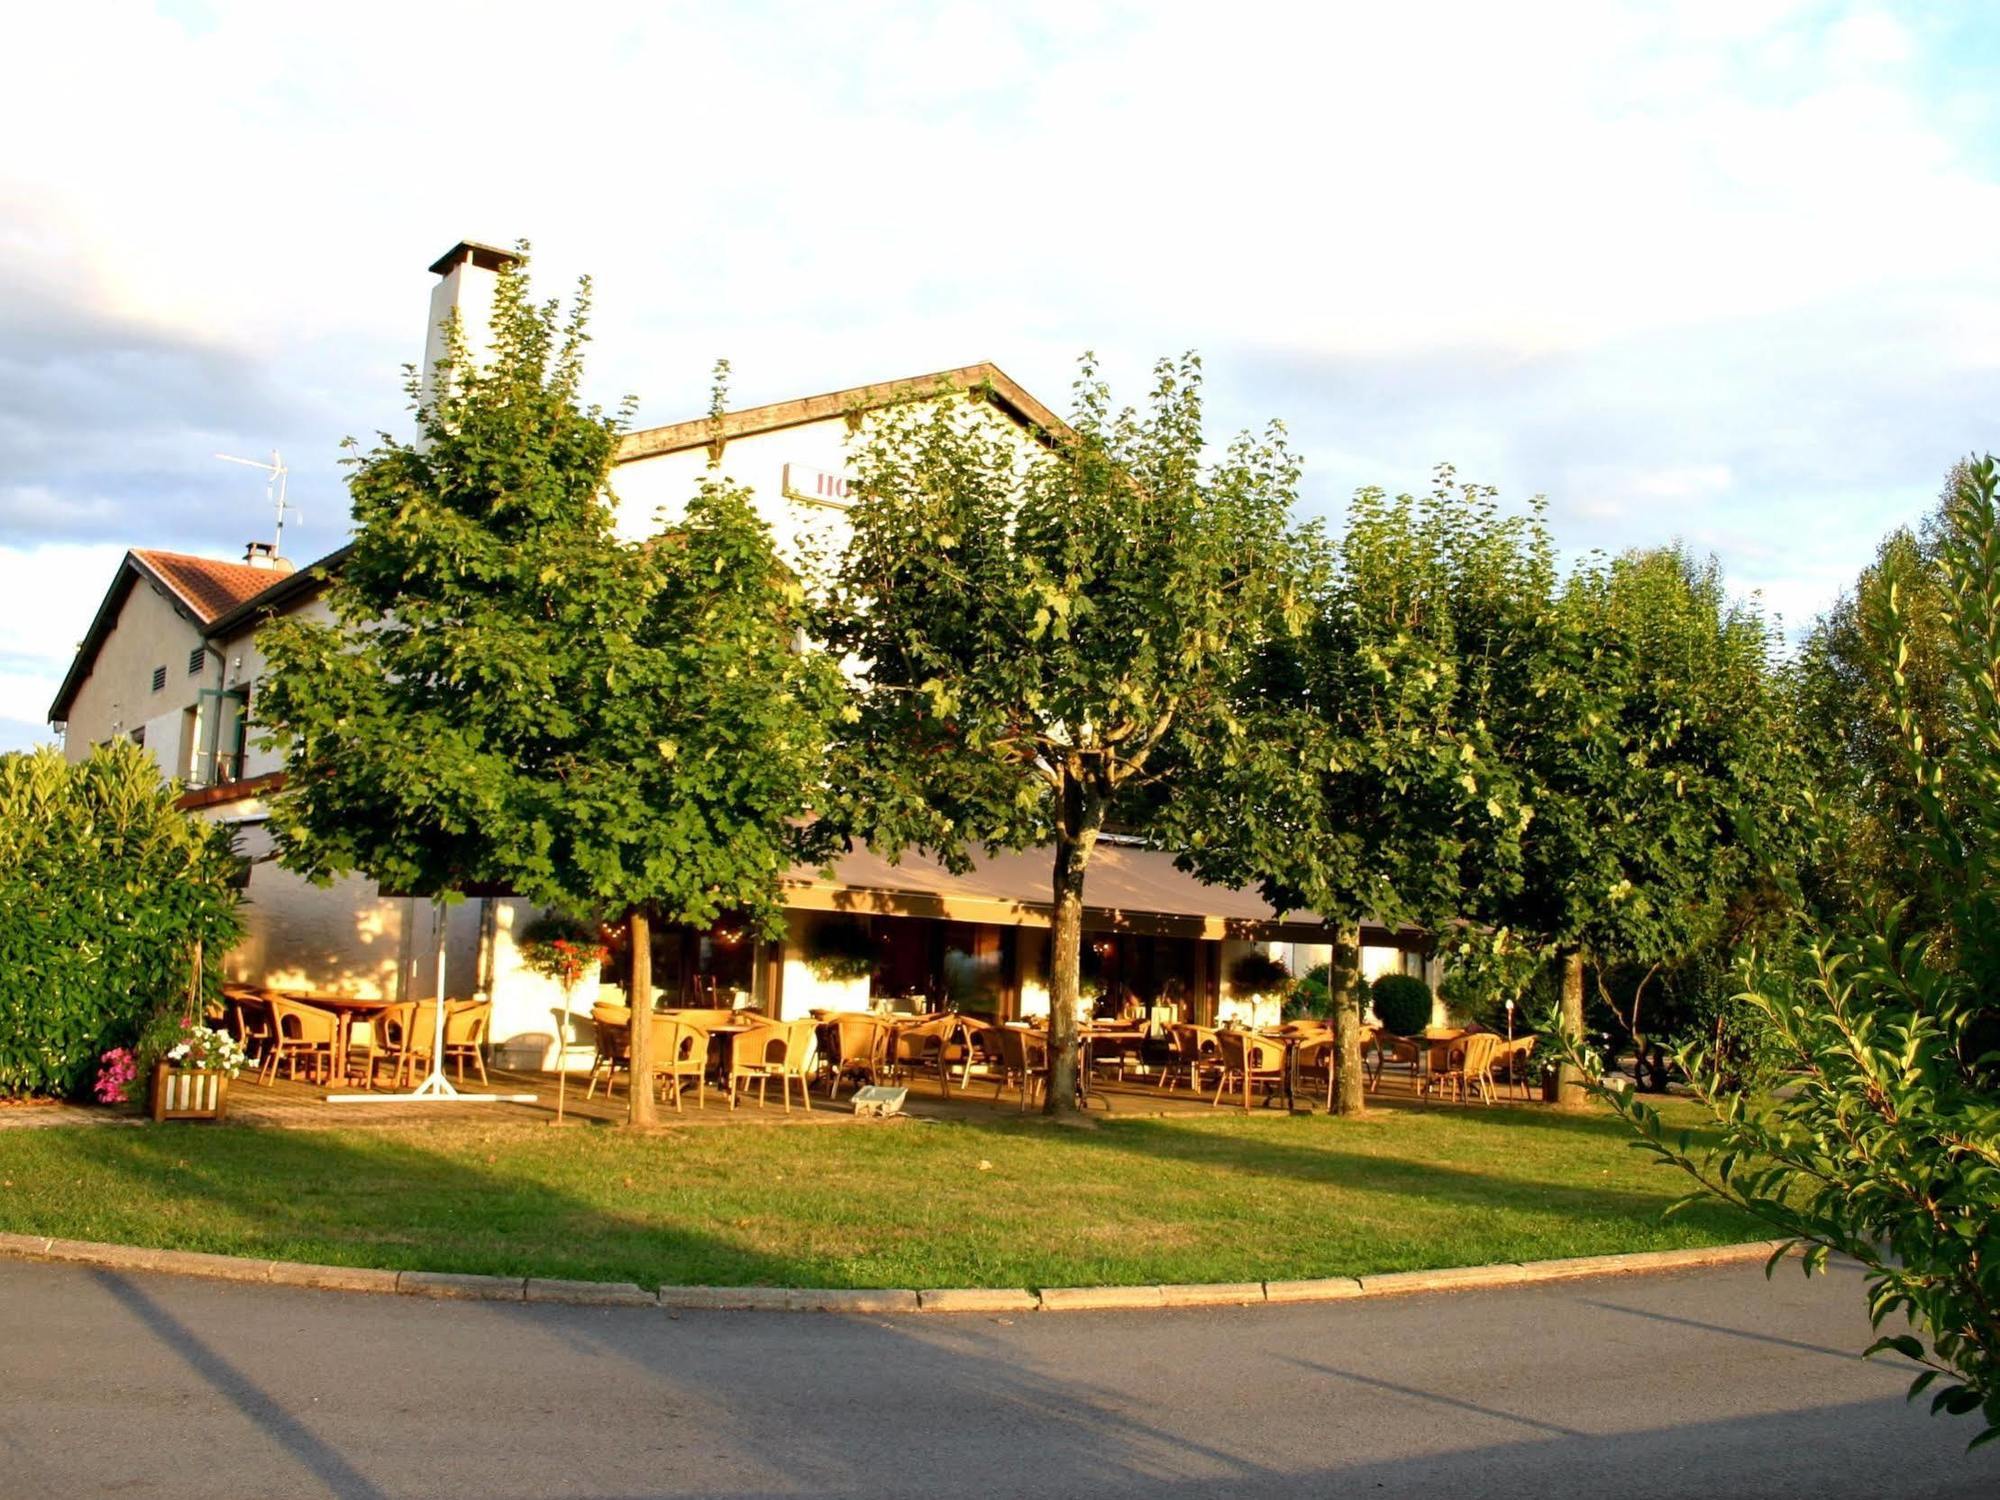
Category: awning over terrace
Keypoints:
(1128, 889)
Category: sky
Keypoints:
(1721, 273)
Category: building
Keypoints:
(980, 939)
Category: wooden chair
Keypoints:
(772, 1049)
(860, 1052)
(1249, 1062)
(611, 1027)
(1024, 1062)
(1192, 1060)
(680, 1052)
(301, 1033)
(1468, 1067)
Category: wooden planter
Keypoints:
(189, 1093)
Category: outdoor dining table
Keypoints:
(349, 1008)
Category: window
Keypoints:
(195, 659)
(159, 678)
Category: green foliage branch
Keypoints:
(1887, 1148)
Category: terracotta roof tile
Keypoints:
(208, 587)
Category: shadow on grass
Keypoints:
(371, 1199)
(1330, 1160)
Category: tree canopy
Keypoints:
(1046, 628)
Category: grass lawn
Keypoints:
(1008, 1203)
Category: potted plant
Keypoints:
(191, 1079)
(567, 950)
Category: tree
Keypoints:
(1658, 760)
(114, 899)
(510, 696)
(1888, 1149)
(1842, 694)
(1357, 773)
(1042, 627)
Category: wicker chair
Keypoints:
(1468, 1067)
(612, 1027)
(301, 1033)
(1192, 1060)
(1514, 1062)
(932, 1046)
(465, 1024)
(250, 1020)
(385, 1034)
(1410, 1054)
(1024, 1061)
(860, 1049)
(1249, 1062)
(680, 1052)
(772, 1049)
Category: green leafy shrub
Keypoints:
(106, 888)
(1312, 996)
(840, 950)
(1402, 1003)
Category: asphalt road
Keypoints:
(1702, 1384)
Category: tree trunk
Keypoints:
(639, 995)
(1570, 1092)
(1344, 981)
(1079, 816)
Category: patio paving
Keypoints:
(286, 1103)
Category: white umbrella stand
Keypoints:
(435, 1087)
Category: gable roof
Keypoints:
(208, 587)
(202, 591)
(677, 437)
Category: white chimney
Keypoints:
(265, 555)
(468, 274)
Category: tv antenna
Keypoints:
(274, 492)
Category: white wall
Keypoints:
(243, 662)
(117, 696)
(650, 489)
(527, 1006)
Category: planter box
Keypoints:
(189, 1094)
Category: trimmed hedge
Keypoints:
(104, 888)
(1402, 1003)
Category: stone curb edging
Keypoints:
(456, 1286)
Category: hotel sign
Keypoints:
(816, 486)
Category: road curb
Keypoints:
(873, 1301)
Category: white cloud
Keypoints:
(1599, 201)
